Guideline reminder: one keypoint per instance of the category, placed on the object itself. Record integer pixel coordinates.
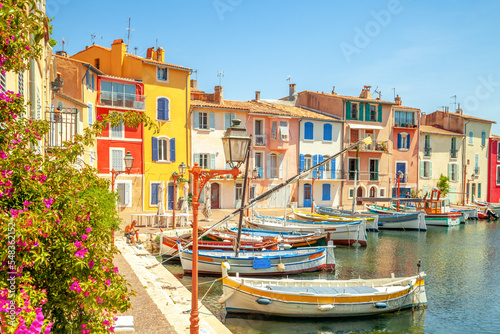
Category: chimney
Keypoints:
(62, 53)
(365, 92)
(333, 91)
(118, 50)
(291, 91)
(160, 54)
(150, 54)
(257, 96)
(459, 110)
(398, 100)
(218, 96)
(194, 84)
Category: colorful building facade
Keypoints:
(494, 170)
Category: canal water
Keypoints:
(462, 264)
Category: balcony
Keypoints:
(405, 125)
(453, 153)
(260, 140)
(63, 127)
(122, 100)
(376, 146)
(427, 151)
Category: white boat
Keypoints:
(268, 262)
(371, 219)
(468, 212)
(320, 297)
(352, 233)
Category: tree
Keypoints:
(443, 185)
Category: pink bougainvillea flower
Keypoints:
(78, 244)
(99, 300)
(48, 202)
(26, 203)
(108, 282)
(115, 270)
(88, 229)
(84, 237)
(76, 287)
(91, 264)
(3, 155)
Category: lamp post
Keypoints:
(255, 175)
(175, 176)
(236, 145)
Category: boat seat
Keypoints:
(353, 290)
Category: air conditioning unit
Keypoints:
(138, 104)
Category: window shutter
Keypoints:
(92, 82)
(88, 79)
(301, 163)
(458, 172)
(430, 169)
(172, 149)
(320, 159)
(315, 162)
(332, 171)
(422, 170)
(154, 145)
(479, 190)
(327, 132)
(212, 161)
(408, 141)
(309, 131)
(376, 170)
(212, 121)
(367, 112)
(326, 192)
(227, 120)
(449, 171)
(167, 109)
(380, 113)
(281, 166)
(399, 140)
(361, 112)
(348, 110)
(196, 119)
(197, 158)
(160, 108)
(127, 193)
(261, 172)
(268, 165)
(483, 138)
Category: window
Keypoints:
(326, 195)
(97, 63)
(483, 138)
(498, 151)
(204, 161)
(372, 192)
(274, 166)
(274, 130)
(453, 149)
(374, 170)
(382, 192)
(162, 73)
(476, 164)
(426, 169)
(203, 119)
(117, 94)
(20, 83)
(163, 149)
(259, 162)
(3, 82)
(284, 131)
(404, 119)
(427, 146)
(453, 171)
(124, 192)
(403, 141)
(238, 191)
(117, 131)
(309, 131)
(117, 159)
(163, 109)
(373, 114)
(354, 111)
(471, 136)
(498, 175)
(327, 132)
(351, 192)
(90, 114)
(327, 167)
(154, 192)
(307, 162)
(228, 119)
(353, 164)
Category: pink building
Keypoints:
(493, 192)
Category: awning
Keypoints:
(365, 126)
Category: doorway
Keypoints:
(359, 196)
(170, 197)
(215, 196)
(307, 195)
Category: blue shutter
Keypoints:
(227, 120)
(92, 82)
(479, 190)
(261, 172)
(333, 169)
(315, 162)
(301, 163)
(154, 193)
(327, 132)
(380, 113)
(308, 131)
(160, 108)
(196, 119)
(87, 77)
(326, 192)
(320, 159)
(212, 161)
(399, 140)
(167, 109)
(154, 145)
(172, 149)
(408, 141)
(348, 110)
(212, 121)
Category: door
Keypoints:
(401, 166)
(215, 196)
(307, 195)
(170, 202)
(359, 196)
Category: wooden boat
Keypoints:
(493, 207)
(379, 208)
(290, 240)
(321, 298)
(269, 262)
(307, 216)
(402, 221)
(487, 214)
(468, 212)
(371, 219)
(352, 233)
(221, 245)
(437, 211)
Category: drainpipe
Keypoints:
(188, 120)
(464, 165)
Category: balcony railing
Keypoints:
(122, 100)
(476, 170)
(260, 140)
(427, 151)
(453, 153)
(63, 126)
(376, 146)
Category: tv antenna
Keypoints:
(455, 103)
(220, 74)
(93, 37)
(289, 78)
(63, 42)
(195, 74)
(375, 91)
(128, 32)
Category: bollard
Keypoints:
(330, 257)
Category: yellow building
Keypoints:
(166, 91)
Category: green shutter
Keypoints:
(422, 169)
(479, 190)
(449, 171)
(348, 110)
(430, 169)
(360, 117)
(376, 170)
(367, 112)
(380, 113)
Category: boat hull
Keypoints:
(445, 219)
(402, 221)
(371, 220)
(240, 297)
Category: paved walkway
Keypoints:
(148, 318)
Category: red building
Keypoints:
(119, 95)
(494, 170)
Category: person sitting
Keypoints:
(131, 231)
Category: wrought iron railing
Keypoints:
(427, 151)
(63, 126)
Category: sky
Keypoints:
(427, 52)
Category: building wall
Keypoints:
(494, 171)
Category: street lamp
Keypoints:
(236, 149)
(129, 162)
(175, 176)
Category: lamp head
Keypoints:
(235, 143)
